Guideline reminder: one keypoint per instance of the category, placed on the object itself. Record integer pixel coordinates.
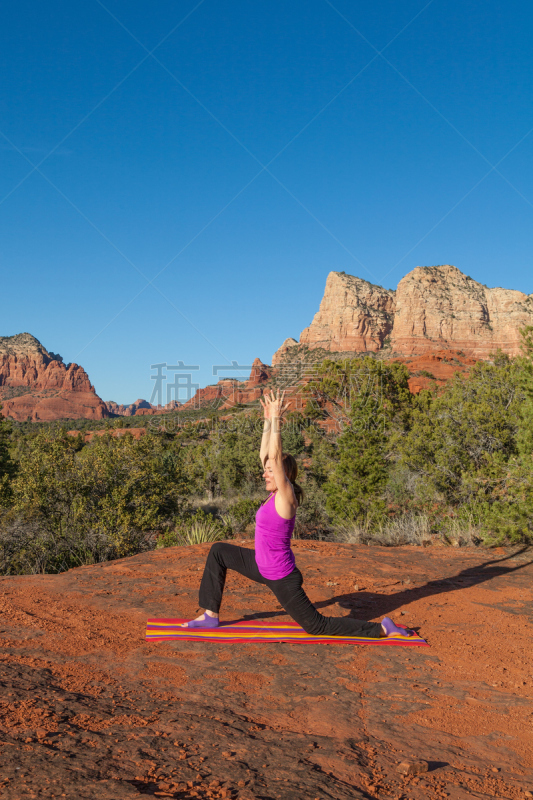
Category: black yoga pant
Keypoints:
(288, 592)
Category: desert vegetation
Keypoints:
(378, 465)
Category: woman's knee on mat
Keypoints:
(307, 617)
(314, 627)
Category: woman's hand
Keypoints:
(273, 404)
(265, 406)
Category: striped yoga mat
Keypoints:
(261, 631)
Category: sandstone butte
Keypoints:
(433, 309)
(229, 392)
(90, 711)
(37, 385)
(140, 408)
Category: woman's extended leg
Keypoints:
(294, 600)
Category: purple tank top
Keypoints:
(273, 533)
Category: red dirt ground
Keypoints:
(90, 710)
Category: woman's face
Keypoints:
(268, 475)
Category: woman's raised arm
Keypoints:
(265, 441)
(286, 503)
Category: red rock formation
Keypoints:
(440, 307)
(229, 392)
(435, 368)
(212, 396)
(252, 389)
(425, 370)
(259, 375)
(433, 308)
(131, 410)
(286, 347)
(354, 315)
(36, 384)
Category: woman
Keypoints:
(272, 562)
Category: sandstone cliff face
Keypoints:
(37, 384)
(433, 308)
(440, 306)
(354, 315)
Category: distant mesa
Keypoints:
(140, 408)
(128, 410)
(37, 385)
(433, 309)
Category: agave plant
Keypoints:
(203, 531)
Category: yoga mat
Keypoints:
(262, 631)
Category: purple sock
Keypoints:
(390, 627)
(205, 622)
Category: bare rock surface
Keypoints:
(435, 367)
(88, 709)
(36, 384)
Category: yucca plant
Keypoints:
(203, 531)
(202, 528)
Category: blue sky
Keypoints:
(178, 178)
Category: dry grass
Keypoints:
(410, 528)
(462, 531)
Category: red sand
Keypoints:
(89, 710)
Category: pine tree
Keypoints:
(379, 407)
(361, 471)
(7, 466)
(525, 432)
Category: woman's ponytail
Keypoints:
(291, 471)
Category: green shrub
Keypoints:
(29, 546)
(202, 532)
(108, 499)
(7, 466)
(312, 519)
(405, 529)
(455, 438)
(241, 514)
